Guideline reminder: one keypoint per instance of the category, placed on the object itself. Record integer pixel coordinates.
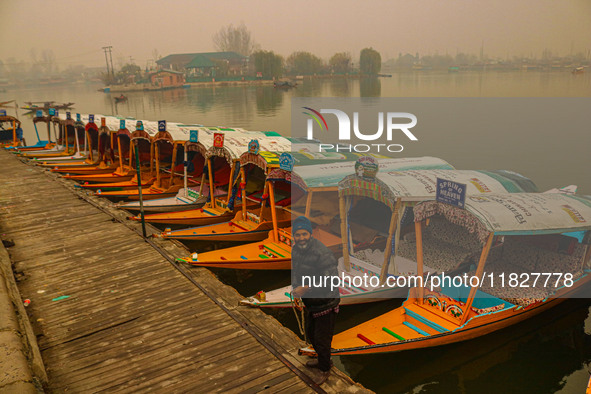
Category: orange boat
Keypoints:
(165, 150)
(61, 138)
(319, 180)
(95, 158)
(122, 177)
(11, 137)
(371, 217)
(272, 254)
(248, 225)
(40, 145)
(74, 132)
(536, 251)
(226, 148)
(169, 149)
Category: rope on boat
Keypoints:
(295, 306)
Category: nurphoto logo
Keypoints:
(392, 122)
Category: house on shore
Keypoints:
(167, 79)
(205, 64)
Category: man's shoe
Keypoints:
(322, 377)
(314, 364)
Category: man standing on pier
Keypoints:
(310, 258)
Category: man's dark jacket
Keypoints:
(316, 260)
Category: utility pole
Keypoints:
(106, 59)
(111, 56)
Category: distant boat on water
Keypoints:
(579, 70)
(284, 84)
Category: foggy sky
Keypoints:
(77, 29)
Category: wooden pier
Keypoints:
(114, 312)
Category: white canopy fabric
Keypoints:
(515, 214)
(329, 175)
(421, 185)
(235, 144)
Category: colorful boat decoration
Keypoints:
(248, 224)
(123, 176)
(523, 236)
(164, 148)
(364, 201)
(92, 162)
(319, 183)
(227, 148)
(194, 192)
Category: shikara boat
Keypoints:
(194, 192)
(254, 224)
(73, 133)
(316, 180)
(535, 253)
(56, 123)
(11, 134)
(94, 161)
(369, 213)
(228, 149)
(124, 177)
(41, 144)
(169, 148)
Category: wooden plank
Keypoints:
(133, 322)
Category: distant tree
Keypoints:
(268, 63)
(48, 63)
(129, 72)
(438, 61)
(340, 62)
(463, 58)
(16, 69)
(405, 61)
(156, 54)
(370, 61)
(234, 39)
(304, 63)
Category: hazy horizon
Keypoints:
(76, 31)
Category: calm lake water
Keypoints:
(548, 354)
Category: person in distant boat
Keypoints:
(311, 259)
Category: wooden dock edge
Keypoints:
(266, 329)
(21, 366)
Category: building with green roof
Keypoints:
(205, 63)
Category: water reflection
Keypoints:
(268, 99)
(340, 87)
(370, 87)
(533, 356)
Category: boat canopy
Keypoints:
(327, 172)
(421, 185)
(235, 144)
(514, 214)
(8, 118)
(264, 153)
